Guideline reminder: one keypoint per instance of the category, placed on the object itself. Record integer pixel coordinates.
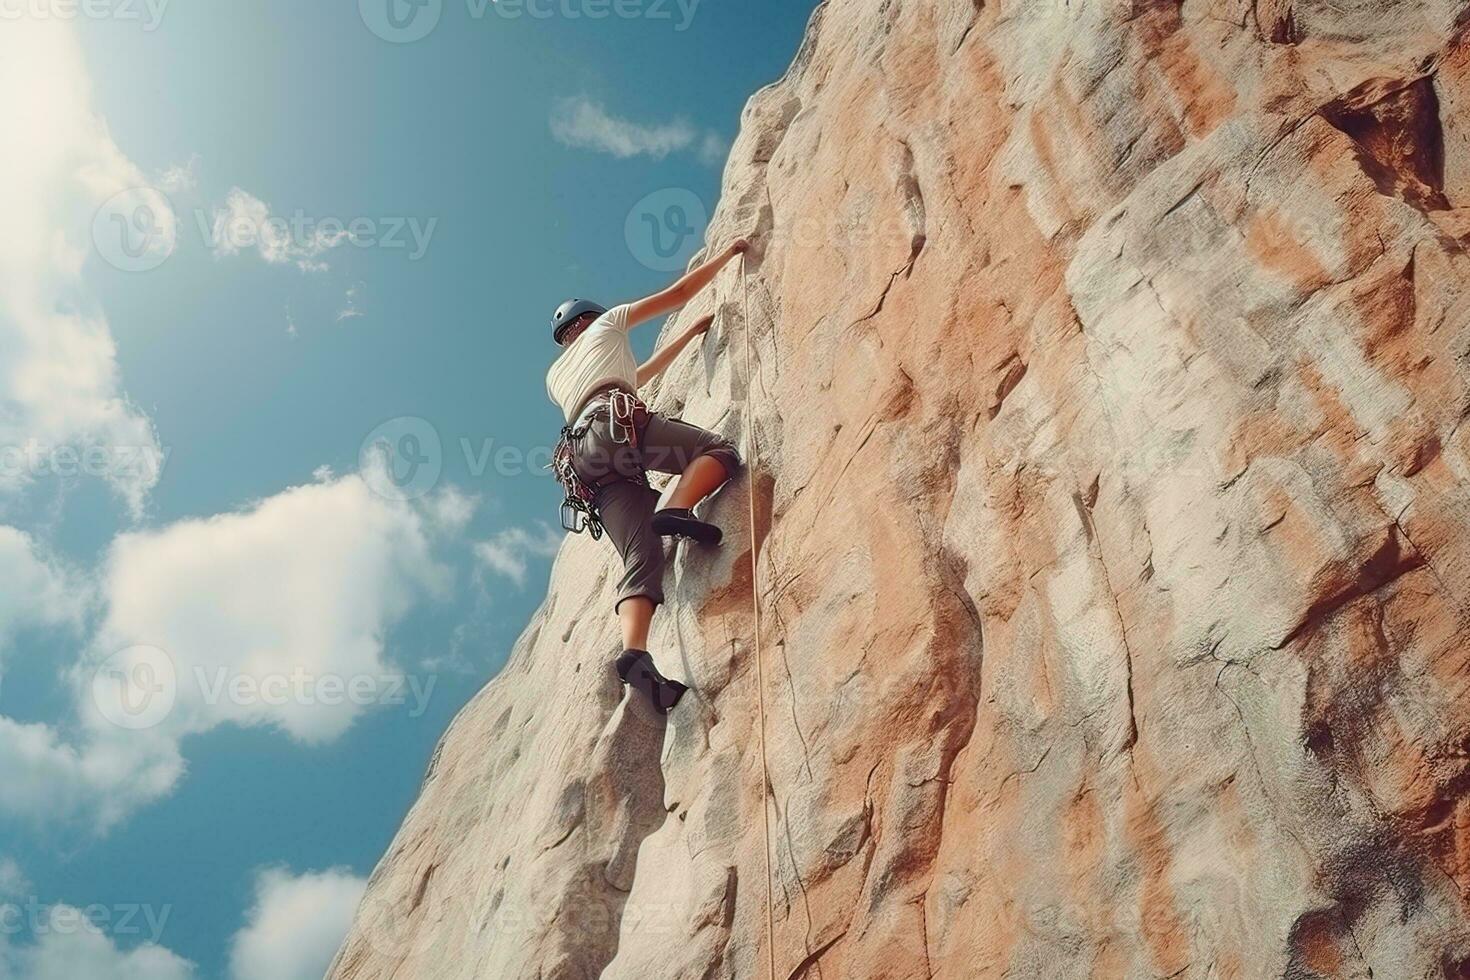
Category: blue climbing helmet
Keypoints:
(568, 312)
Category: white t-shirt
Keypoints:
(601, 356)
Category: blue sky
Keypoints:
(246, 246)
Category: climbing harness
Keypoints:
(752, 453)
(579, 506)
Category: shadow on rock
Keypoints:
(624, 805)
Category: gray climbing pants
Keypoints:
(624, 500)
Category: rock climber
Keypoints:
(610, 441)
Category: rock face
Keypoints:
(1112, 496)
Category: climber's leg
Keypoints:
(634, 614)
(625, 504)
(627, 510)
(703, 460)
(673, 445)
(700, 479)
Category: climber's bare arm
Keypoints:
(685, 289)
(665, 355)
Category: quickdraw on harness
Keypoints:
(579, 507)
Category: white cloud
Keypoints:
(99, 781)
(83, 952)
(180, 178)
(509, 552)
(13, 881)
(58, 364)
(70, 944)
(267, 616)
(246, 222)
(296, 925)
(307, 582)
(583, 124)
(450, 509)
(713, 148)
(34, 589)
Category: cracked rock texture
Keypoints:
(1112, 492)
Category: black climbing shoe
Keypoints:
(669, 693)
(637, 670)
(681, 522)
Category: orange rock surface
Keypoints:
(1112, 491)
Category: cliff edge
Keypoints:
(1112, 498)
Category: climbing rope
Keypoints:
(752, 453)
